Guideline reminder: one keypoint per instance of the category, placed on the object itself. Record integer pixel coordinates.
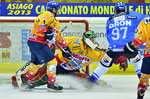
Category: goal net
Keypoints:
(14, 34)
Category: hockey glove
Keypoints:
(122, 60)
(129, 48)
(67, 54)
(49, 35)
(124, 66)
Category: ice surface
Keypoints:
(123, 87)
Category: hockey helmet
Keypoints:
(119, 6)
(52, 4)
(89, 34)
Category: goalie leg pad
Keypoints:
(14, 81)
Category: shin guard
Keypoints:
(51, 71)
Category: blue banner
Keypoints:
(70, 9)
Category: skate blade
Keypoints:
(25, 89)
(54, 91)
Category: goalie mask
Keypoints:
(90, 35)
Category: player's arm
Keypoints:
(66, 52)
(41, 25)
(138, 41)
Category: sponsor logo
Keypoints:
(119, 18)
(106, 59)
(5, 55)
(80, 58)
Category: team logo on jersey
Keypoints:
(77, 41)
(119, 18)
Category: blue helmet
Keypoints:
(119, 6)
(52, 4)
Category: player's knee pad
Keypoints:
(106, 61)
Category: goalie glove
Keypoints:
(67, 53)
(129, 48)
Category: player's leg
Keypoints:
(145, 76)
(51, 73)
(142, 86)
(104, 65)
(136, 59)
(46, 56)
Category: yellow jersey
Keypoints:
(143, 35)
(45, 21)
(82, 54)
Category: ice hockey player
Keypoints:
(120, 29)
(47, 28)
(142, 36)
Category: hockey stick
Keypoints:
(64, 28)
(93, 46)
(20, 71)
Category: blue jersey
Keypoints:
(120, 29)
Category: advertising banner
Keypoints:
(69, 9)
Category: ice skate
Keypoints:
(54, 87)
(141, 94)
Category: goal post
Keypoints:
(13, 40)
